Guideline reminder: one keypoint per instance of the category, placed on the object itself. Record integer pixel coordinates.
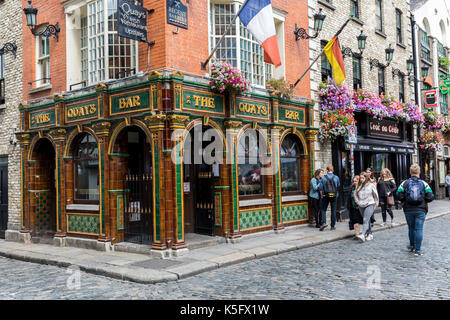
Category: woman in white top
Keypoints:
(366, 196)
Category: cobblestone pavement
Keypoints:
(338, 270)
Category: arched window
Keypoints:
(86, 174)
(291, 153)
(251, 149)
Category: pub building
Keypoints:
(386, 143)
(97, 163)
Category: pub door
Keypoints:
(3, 198)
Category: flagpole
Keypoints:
(203, 64)
(337, 33)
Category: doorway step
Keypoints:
(196, 241)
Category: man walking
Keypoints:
(329, 187)
(447, 184)
(415, 194)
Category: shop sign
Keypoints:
(352, 134)
(445, 87)
(177, 14)
(132, 21)
(129, 103)
(201, 101)
(384, 128)
(39, 119)
(379, 149)
(252, 109)
(83, 111)
(291, 115)
(431, 98)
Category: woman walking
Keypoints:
(385, 187)
(314, 196)
(355, 216)
(366, 197)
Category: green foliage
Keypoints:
(281, 87)
(444, 62)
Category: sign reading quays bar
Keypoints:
(129, 103)
(132, 21)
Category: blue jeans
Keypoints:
(415, 220)
(325, 201)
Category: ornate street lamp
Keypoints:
(9, 47)
(410, 64)
(425, 71)
(318, 23)
(31, 15)
(389, 54)
(346, 51)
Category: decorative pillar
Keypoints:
(276, 177)
(156, 125)
(177, 128)
(232, 129)
(24, 140)
(59, 136)
(311, 138)
(102, 131)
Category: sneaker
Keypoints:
(393, 223)
(333, 228)
(382, 224)
(418, 253)
(369, 237)
(323, 227)
(361, 238)
(411, 249)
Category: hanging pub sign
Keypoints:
(132, 21)
(177, 14)
(445, 87)
(431, 99)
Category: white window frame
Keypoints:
(279, 27)
(42, 60)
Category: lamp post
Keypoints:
(31, 15)
(389, 55)
(318, 23)
(346, 51)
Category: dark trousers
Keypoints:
(324, 204)
(385, 207)
(315, 204)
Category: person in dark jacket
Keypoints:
(415, 212)
(334, 181)
(385, 187)
(314, 196)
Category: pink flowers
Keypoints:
(430, 141)
(225, 77)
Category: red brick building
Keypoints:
(100, 112)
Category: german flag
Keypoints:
(334, 55)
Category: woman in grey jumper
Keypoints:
(366, 196)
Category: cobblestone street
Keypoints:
(338, 270)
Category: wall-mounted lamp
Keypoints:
(410, 64)
(425, 71)
(49, 30)
(389, 55)
(318, 23)
(396, 72)
(346, 51)
(9, 47)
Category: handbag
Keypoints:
(390, 201)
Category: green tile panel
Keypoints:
(295, 213)
(255, 218)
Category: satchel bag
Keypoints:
(390, 201)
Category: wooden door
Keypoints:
(3, 199)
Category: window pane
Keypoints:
(250, 177)
(87, 187)
(289, 174)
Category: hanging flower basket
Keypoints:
(335, 97)
(430, 141)
(433, 121)
(334, 125)
(412, 113)
(369, 102)
(446, 127)
(224, 77)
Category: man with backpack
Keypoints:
(329, 188)
(415, 194)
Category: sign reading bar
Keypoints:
(384, 128)
(132, 21)
(82, 111)
(291, 115)
(252, 109)
(128, 103)
(40, 119)
(197, 100)
(177, 14)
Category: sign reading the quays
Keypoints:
(129, 103)
(291, 115)
(197, 100)
(39, 119)
(252, 109)
(81, 111)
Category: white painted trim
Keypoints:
(254, 202)
(83, 207)
(294, 198)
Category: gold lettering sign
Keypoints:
(130, 102)
(253, 108)
(81, 111)
(201, 101)
(292, 115)
(40, 118)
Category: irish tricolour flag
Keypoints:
(257, 16)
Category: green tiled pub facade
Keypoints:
(109, 163)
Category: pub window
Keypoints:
(250, 149)
(379, 15)
(239, 48)
(354, 8)
(43, 60)
(326, 70)
(444, 106)
(424, 39)
(86, 171)
(381, 81)
(401, 87)
(98, 54)
(357, 82)
(398, 19)
(2, 79)
(290, 158)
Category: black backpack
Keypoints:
(414, 191)
(330, 188)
